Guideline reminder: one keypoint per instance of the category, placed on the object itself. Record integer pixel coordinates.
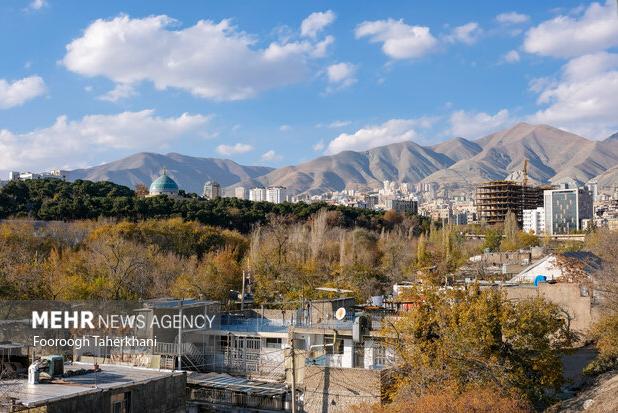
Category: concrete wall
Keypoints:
(335, 390)
(163, 395)
(571, 297)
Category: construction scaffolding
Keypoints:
(496, 198)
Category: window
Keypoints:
(379, 354)
(331, 347)
(252, 343)
(121, 402)
(273, 342)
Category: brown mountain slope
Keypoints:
(189, 172)
(402, 162)
(458, 148)
(551, 153)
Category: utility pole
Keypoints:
(242, 292)
(179, 352)
(291, 335)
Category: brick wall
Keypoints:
(335, 390)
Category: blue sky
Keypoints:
(279, 82)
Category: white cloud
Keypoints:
(316, 22)
(569, 36)
(399, 40)
(20, 91)
(477, 124)
(37, 4)
(83, 142)
(468, 34)
(319, 147)
(583, 98)
(210, 60)
(341, 75)
(392, 131)
(271, 156)
(238, 148)
(285, 128)
(121, 91)
(512, 56)
(337, 124)
(512, 18)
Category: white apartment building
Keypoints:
(534, 220)
(240, 192)
(25, 176)
(212, 190)
(257, 194)
(276, 194)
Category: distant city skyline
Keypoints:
(279, 83)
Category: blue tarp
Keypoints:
(539, 279)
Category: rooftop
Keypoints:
(110, 377)
(236, 384)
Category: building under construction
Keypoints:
(496, 198)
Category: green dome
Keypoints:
(163, 184)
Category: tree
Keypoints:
(511, 229)
(604, 243)
(493, 238)
(478, 337)
(478, 399)
(421, 251)
(213, 278)
(120, 268)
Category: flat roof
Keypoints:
(111, 376)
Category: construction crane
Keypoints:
(525, 180)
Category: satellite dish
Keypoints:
(340, 314)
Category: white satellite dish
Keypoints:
(340, 313)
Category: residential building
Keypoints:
(371, 201)
(257, 194)
(402, 206)
(458, 218)
(212, 190)
(26, 176)
(216, 392)
(111, 388)
(534, 220)
(565, 209)
(240, 192)
(593, 188)
(276, 194)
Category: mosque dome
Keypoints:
(164, 185)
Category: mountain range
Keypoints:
(553, 154)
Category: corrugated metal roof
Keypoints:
(237, 384)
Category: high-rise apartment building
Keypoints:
(276, 194)
(212, 190)
(240, 192)
(257, 194)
